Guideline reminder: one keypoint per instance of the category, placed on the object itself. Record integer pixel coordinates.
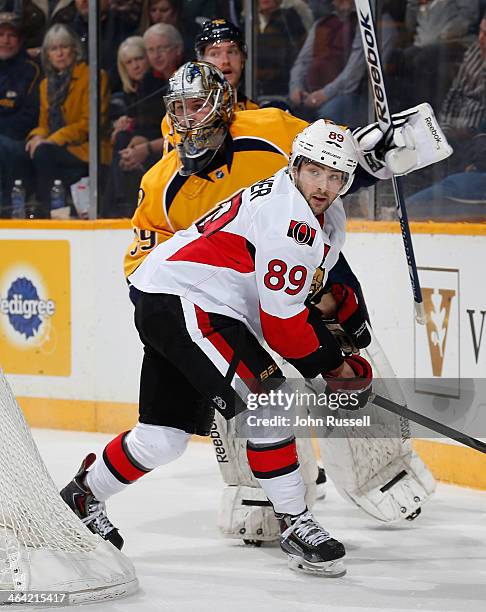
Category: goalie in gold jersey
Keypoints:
(220, 43)
(212, 161)
(186, 183)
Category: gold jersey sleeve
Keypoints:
(258, 144)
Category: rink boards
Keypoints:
(72, 356)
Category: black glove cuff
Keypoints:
(355, 326)
(327, 357)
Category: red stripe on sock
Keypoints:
(269, 460)
(116, 455)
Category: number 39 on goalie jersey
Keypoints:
(252, 259)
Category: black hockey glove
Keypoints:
(349, 315)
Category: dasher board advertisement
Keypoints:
(35, 307)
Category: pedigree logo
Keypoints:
(24, 309)
(35, 307)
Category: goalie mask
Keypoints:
(327, 144)
(199, 107)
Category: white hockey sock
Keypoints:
(133, 454)
(275, 465)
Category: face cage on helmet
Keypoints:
(189, 124)
(348, 177)
(197, 148)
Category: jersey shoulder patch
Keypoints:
(301, 232)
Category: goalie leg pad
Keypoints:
(246, 513)
(398, 491)
(380, 473)
(377, 469)
(237, 510)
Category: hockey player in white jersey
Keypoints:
(207, 298)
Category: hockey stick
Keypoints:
(403, 411)
(375, 71)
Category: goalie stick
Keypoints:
(421, 419)
(375, 72)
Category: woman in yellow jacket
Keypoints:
(59, 145)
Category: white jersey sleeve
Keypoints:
(289, 246)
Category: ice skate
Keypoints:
(85, 505)
(309, 546)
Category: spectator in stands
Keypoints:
(39, 15)
(58, 146)
(459, 196)
(463, 112)
(19, 106)
(320, 8)
(433, 22)
(303, 10)
(132, 65)
(164, 47)
(117, 22)
(442, 30)
(463, 119)
(130, 10)
(328, 79)
(280, 37)
(129, 129)
(202, 10)
(171, 12)
(322, 60)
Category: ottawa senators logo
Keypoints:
(301, 232)
(318, 278)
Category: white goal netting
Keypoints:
(43, 545)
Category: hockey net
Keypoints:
(43, 545)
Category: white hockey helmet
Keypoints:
(199, 135)
(329, 144)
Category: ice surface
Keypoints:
(168, 520)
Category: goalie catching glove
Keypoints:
(415, 141)
(358, 389)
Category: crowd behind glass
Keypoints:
(308, 60)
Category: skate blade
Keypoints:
(326, 569)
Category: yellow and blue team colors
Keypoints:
(258, 144)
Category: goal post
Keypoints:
(44, 547)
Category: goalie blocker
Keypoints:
(416, 141)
